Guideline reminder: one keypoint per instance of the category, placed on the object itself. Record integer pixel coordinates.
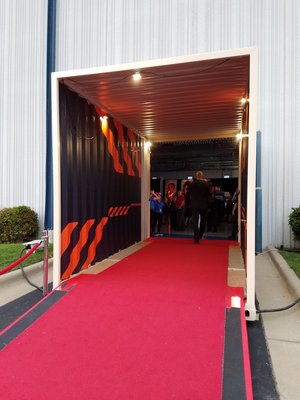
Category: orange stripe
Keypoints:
(124, 146)
(135, 204)
(94, 244)
(114, 212)
(136, 152)
(75, 254)
(65, 238)
(131, 205)
(111, 146)
(126, 210)
(118, 212)
(123, 209)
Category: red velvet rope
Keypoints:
(15, 263)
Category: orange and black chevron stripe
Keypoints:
(126, 150)
(75, 254)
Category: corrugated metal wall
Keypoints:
(97, 33)
(100, 184)
(101, 32)
(22, 103)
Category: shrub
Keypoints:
(18, 224)
(294, 221)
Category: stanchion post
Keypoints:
(45, 239)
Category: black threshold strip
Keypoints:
(233, 369)
(29, 318)
(263, 380)
(11, 311)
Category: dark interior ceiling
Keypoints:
(209, 154)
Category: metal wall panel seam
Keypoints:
(115, 31)
(255, 22)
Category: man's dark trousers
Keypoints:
(199, 231)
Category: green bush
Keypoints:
(294, 221)
(18, 224)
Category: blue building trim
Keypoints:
(51, 38)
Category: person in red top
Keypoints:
(171, 193)
(171, 205)
(180, 202)
(187, 211)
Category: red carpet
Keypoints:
(150, 327)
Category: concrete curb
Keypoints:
(289, 276)
(30, 270)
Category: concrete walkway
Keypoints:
(13, 285)
(277, 286)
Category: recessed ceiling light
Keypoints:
(148, 145)
(136, 76)
(244, 100)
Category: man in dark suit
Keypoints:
(198, 193)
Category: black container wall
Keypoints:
(100, 184)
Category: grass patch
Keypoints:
(10, 252)
(293, 259)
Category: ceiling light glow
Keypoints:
(137, 76)
(241, 135)
(244, 100)
(148, 145)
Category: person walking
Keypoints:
(180, 211)
(152, 199)
(198, 194)
(234, 212)
(170, 200)
(158, 215)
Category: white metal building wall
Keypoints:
(23, 31)
(94, 33)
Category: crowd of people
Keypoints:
(173, 210)
(198, 200)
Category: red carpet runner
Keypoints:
(150, 327)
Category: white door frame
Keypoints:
(251, 187)
(56, 76)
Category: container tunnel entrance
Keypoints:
(176, 162)
(102, 121)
